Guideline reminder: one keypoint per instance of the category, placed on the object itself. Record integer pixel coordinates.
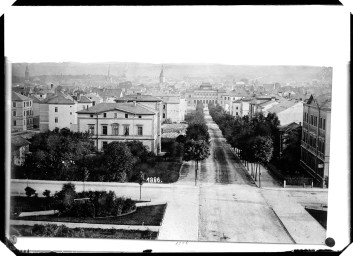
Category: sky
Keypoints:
(281, 35)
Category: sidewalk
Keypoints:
(301, 226)
(85, 225)
(266, 178)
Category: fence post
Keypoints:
(284, 183)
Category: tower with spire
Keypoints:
(161, 77)
(27, 74)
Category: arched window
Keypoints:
(115, 129)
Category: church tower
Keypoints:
(27, 74)
(161, 77)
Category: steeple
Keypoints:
(161, 76)
(27, 74)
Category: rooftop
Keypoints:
(18, 141)
(19, 97)
(139, 98)
(124, 107)
(84, 99)
(283, 105)
(58, 98)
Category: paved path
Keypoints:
(85, 225)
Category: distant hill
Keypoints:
(176, 71)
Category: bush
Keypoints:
(46, 193)
(30, 191)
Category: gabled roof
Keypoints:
(288, 127)
(84, 99)
(324, 100)
(18, 97)
(110, 92)
(124, 107)
(35, 99)
(18, 141)
(139, 98)
(282, 105)
(59, 98)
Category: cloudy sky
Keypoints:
(217, 34)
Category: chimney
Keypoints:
(134, 103)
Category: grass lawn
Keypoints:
(24, 230)
(29, 204)
(167, 172)
(148, 215)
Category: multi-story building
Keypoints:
(19, 149)
(58, 111)
(108, 122)
(173, 107)
(152, 103)
(315, 145)
(36, 111)
(21, 112)
(204, 94)
(240, 107)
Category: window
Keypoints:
(93, 103)
(30, 103)
(236, 113)
(70, 113)
(24, 104)
(163, 106)
(56, 120)
(56, 109)
(324, 124)
(140, 116)
(311, 120)
(315, 120)
(105, 130)
(24, 113)
(126, 130)
(163, 115)
(91, 115)
(14, 104)
(139, 130)
(115, 129)
(104, 114)
(126, 116)
(115, 115)
(236, 108)
(13, 113)
(91, 129)
(14, 122)
(104, 144)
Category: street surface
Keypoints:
(232, 208)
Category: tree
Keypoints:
(141, 179)
(197, 131)
(29, 191)
(263, 149)
(167, 121)
(138, 150)
(196, 151)
(117, 161)
(290, 160)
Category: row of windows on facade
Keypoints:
(115, 129)
(309, 160)
(206, 101)
(311, 140)
(17, 122)
(115, 115)
(25, 104)
(203, 94)
(313, 120)
(25, 113)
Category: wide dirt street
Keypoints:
(232, 208)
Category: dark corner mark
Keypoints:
(180, 2)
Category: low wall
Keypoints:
(129, 190)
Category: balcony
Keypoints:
(312, 150)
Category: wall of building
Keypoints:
(148, 122)
(23, 117)
(292, 114)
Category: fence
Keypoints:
(285, 180)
